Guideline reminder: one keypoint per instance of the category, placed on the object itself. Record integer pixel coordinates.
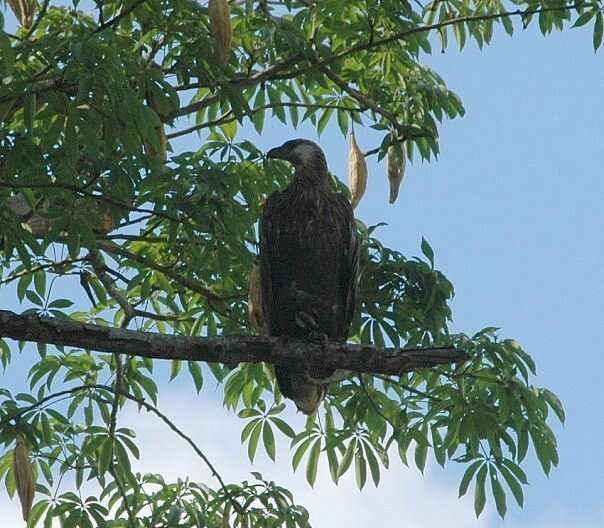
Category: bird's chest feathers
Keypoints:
(309, 220)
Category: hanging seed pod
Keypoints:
(396, 170)
(24, 11)
(220, 23)
(254, 301)
(357, 172)
(24, 476)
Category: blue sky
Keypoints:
(513, 210)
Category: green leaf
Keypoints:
(34, 298)
(347, 458)
(60, 303)
(513, 484)
(372, 461)
(324, 119)
(427, 250)
(523, 441)
(508, 25)
(258, 116)
(40, 282)
(479, 492)
(360, 469)
(249, 427)
(437, 446)
(555, 403)
(542, 449)
(283, 427)
(467, 476)
(104, 457)
(332, 459)
(36, 513)
(196, 374)
(253, 443)
(343, 122)
(598, 26)
(29, 110)
(175, 366)
(299, 453)
(584, 18)
(22, 285)
(313, 462)
(498, 492)
(516, 470)
(269, 439)
(421, 452)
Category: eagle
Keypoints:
(308, 266)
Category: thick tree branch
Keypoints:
(229, 350)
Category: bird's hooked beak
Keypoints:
(278, 153)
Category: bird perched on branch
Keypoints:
(309, 266)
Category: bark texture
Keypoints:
(228, 350)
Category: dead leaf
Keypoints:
(24, 476)
(357, 172)
(396, 170)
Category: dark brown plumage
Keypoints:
(309, 265)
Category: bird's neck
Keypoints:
(311, 176)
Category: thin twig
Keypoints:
(375, 406)
(31, 271)
(142, 403)
(168, 271)
(228, 117)
(81, 192)
(117, 19)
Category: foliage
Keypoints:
(167, 242)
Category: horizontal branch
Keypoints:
(228, 350)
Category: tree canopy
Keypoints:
(93, 197)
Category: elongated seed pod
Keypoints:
(254, 301)
(24, 11)
(357, 172)
(24, 476)
(396, 170)
(220, 21)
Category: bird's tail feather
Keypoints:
(295, 385)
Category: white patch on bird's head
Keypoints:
(300, 152)
(306, 152)
(308, 159)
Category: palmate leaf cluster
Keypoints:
(165, 241)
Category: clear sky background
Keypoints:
(514, 209)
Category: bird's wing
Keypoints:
(269, 233)
(350, 276)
